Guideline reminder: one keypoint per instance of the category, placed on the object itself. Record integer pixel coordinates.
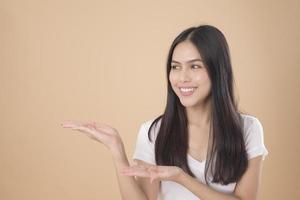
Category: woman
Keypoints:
(201, 147)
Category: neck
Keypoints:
(199, 115)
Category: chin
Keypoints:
(188, 104)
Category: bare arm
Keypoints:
(130, 188)
(246, 188)
(135, 187)
(150, 189)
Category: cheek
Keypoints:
(173, 82)
(201, 78)
(204, 81)
(171, 79)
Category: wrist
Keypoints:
(118, 154)
(181, 177)
(116, 148)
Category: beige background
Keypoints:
(105, 61)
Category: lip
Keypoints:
(187, 93)
(186, 87)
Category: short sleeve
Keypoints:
(254, 138)
(144, 148)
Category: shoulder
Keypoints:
(144, 149)
(154, 123)
(250, 122)
(252, 129)
(253, 136)
(147, 124)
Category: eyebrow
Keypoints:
(193, 60)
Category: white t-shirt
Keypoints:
(254, 141)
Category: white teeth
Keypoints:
(187, 89)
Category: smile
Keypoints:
(187, 91)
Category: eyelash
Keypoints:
(174, 66)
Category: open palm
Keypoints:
(100, 132)
(154, 172)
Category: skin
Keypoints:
(188, 69)
(130, 188)
(147, 177)
(198, 106)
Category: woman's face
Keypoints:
(188, 76)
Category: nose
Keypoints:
(184, 75)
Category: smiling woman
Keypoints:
(202, 146)
(218, 149)
(189, 77)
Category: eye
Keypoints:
(174, 66)
(196, 66)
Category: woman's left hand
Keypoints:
(154, 172)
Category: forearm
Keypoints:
(129, 188)
(202, 190)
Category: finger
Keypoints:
(96, 139)
(96, 135)
(86, 128)
(104, 127)
(153, 169)
(135, 171)
(81, 128)
(99, 135)
(90, 126)
(93, 126)
(134, 168)
(139, 174)
(135, 175)
(67, 124)
(71, 123)
(153, 177)
(135, 163)
(89, 130)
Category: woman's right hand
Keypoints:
(100, 132)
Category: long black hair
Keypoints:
(226, 159)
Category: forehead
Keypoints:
(185, 51)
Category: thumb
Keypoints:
(153, 176)
(134, 162)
